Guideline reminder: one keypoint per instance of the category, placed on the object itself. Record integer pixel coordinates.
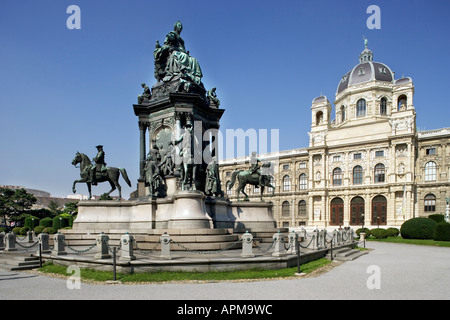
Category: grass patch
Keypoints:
(94, 275)
(423, 242)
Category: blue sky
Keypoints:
(63, 91)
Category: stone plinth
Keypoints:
(252, 215)
(189, 211)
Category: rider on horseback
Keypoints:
(99, 166)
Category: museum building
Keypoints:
(369, 165)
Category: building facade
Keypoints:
(369, 165)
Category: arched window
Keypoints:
(383, 106)
(357, 175)
(402, 102)
(285, 209)
(286, 183)
(270, 189)
(430, 203)
(303, 182)
(430, 171)
(319, 118)
(379, 173)
(302, 208)
(337, 177)
(361, 108)
(229, 192)
(342, 113)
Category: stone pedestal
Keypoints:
(252, 215)
(189, 211)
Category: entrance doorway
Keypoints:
(337, 212)
(379, 205)
(357, 210)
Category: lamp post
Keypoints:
(362, 228)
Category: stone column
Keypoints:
(165, 246)
(2, 240)
(102, 247)
(43, 240)
(293, 238)
(127, 241)
(10, 242)
(278, 250)
(59, 245)
(247, 245)
(142, 154)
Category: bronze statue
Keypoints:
(152, 171)
(212, 179)
(99, 166)
(212, 96)
(190, 145)
(259, 178)
(146, 95)
(110, 175)
(172, 59)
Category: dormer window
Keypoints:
(382, 70)
(361, 71)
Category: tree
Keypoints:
(53, 206)
(71, 208)
(14, 203)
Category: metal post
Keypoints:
(114, 263)
(331, 249)
(40, 254)
(297, 244)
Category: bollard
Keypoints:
(43, 240)
(59, 245)
(30, 236)
(362, 237)
(165, 246)
(293, 239)
(10, 242)
(102, 247)
(279, 250)
(247, 245)
(2, 240)
(127, 241)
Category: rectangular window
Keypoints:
(302, 165)
(285, 167)
(356, 156)
(379, 154)
(336, 158)
(431, 151)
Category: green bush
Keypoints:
(38, 229)
(379, 233)
(367, 231)
(46, 222)
(31, 222)
(418, 228)
(61, 221)
(442, 232)
(23, 231)
(49, 230)
(437, 217)
(16, 230)
(393, 232)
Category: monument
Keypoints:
(179, 189)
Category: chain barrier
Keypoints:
(27, 247)
(232, 245)
(148, 251)
(264, 250)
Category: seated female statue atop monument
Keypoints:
(172, 59)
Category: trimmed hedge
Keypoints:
(379, 233)
(38, 229)
(437, 217)
(31, 222)
(46, 222)
(442, 232)
(366, 231)
(418, 228)
(393, 232)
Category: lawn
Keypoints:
(93, 275)
(424, 242)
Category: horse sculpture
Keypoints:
(111, 175)
(245, 177)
